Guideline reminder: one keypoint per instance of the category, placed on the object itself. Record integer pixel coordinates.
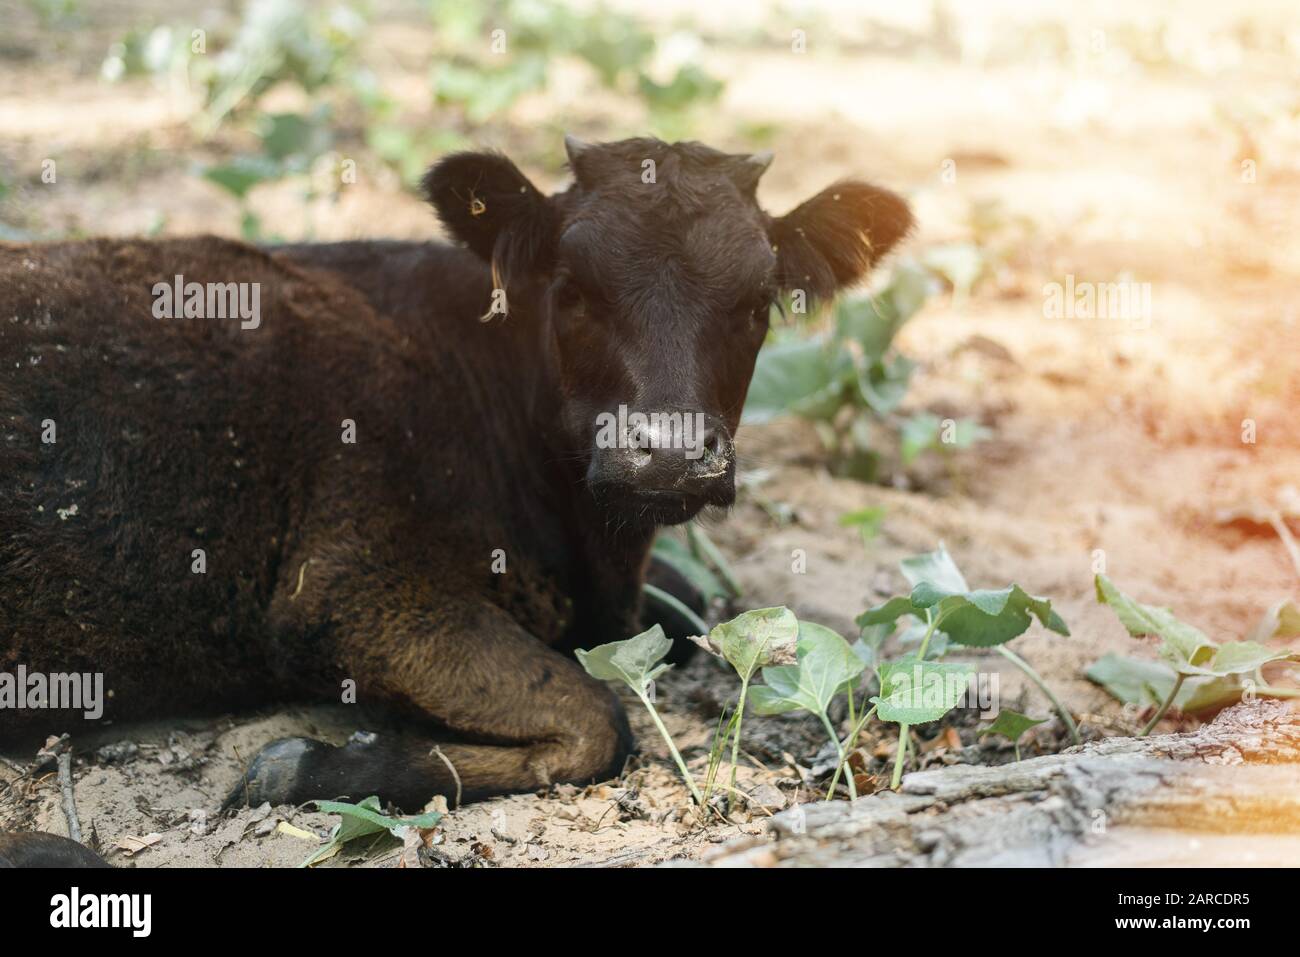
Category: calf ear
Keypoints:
(835, 238)
(488, 204)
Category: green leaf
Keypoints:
(635, 661)
(909, 286)
(886, 613)
(796, 377)
(826, 665)
(704, 550)
(757, 639)
(1282, 620)
(1146, 683)
(362, 820)
(1183, 644)
(868, 520)
(1186, 648)
(675, 553)
(916, 692)
(689, 85)
(1012, 724)
(286, 135)
(883, 383)
(985, 617)
(857, 319)
(242, 173)
(919, 433)
(1239, 658)
(914, 634)
(936, 567)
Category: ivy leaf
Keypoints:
(634, 661)
(1012, 724)
(826, 664)
(916, 692)
(757, 639)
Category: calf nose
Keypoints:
(665, 457)
(682, 452)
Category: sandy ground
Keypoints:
(1111, 436)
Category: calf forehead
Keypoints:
(639, 258)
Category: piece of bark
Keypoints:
(1157, 800)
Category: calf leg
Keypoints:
(529, 717)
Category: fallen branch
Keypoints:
(1230, 791)
(69, 801)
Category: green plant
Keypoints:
(866, 520)
(756, 639)
(364, 820)
(637, 662)
(481, 80)
(1194, 673)
(850, 376)
(803, 665)
(946, 608)
(1012, 725)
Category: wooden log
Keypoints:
(1225, 794)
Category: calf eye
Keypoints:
(569, 298)
(763, 304)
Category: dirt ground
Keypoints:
(1122, 159)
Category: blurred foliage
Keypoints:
(486, 56)
(849, 380)
(54, 14)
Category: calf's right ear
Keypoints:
(488, 204)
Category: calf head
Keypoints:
(651, 279)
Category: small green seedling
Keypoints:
(942, 601)
(757, 639)
(825, 666)
(1188, 655)
(363, 820)
(866, 520)
(637, 662)
(916, 691)
(1012, 725)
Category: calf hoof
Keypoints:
(281, 773)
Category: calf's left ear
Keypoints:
(835, 238)
(488, 204)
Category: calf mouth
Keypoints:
(663, 506)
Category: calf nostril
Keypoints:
(715, 443)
